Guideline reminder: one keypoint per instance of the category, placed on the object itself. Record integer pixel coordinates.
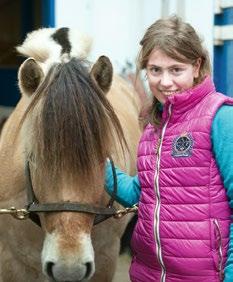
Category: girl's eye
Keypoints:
(154, 70)
(176, 70)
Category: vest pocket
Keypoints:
(216, 247)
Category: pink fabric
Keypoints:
(194, 215)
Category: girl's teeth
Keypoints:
(170, 92)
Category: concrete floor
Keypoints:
(122, 272)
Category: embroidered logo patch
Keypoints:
(182, 145)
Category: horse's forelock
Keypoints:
(74, 129)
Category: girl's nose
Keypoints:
(166, 80)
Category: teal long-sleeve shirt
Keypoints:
(222, 142)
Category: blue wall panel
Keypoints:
(48, 13)
(9, 93)
(223, 57)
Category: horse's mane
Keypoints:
(75, 124)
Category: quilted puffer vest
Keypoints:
(182, 233)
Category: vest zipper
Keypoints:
(158, 203)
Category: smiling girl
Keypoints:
(184, 186)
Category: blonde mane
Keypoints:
(75, 123)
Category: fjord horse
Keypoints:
(69, 119)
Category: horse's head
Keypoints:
(68, 131)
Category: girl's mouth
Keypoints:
(170, 92)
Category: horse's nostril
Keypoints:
(89, 269)
(49, 269)
(76, 272)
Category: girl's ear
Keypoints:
(102, 73)
(197, 66)
(30, 75)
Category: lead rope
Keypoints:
(114, 194)
(99, 218)
(122, 212)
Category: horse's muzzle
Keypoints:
(59, 273)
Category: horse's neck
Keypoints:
(127, 106)
(12, 180)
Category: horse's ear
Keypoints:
(29, 76)
(102, 73)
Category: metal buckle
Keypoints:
(16, 213)
(123, 212)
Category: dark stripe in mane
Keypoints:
(61, 37)
(74, 124)
(2, 122)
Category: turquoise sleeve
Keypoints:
(222, 140)
(128, 191)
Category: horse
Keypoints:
(72, 116)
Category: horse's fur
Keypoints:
(66, 134)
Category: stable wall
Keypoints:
(118, 25)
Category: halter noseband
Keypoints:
(34, 207)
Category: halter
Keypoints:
(34, 207)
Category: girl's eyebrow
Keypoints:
(152, 65)
(177, 65)
(172, 66)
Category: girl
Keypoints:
(184, 185)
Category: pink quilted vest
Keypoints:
(182, 233)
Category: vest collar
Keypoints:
(184, 101)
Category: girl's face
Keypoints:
(167, 76)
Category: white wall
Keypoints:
(118, 25)
(199, 13)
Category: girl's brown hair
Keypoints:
(178, 40)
